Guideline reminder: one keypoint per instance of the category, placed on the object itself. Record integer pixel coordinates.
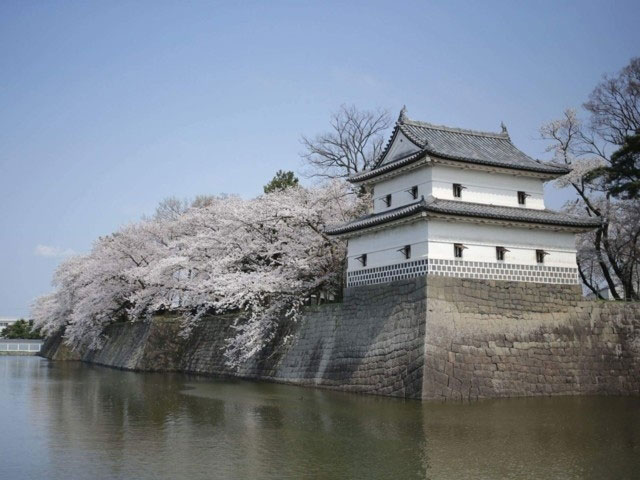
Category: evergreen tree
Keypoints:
(281, 181)
(21, 329)
(622, 177)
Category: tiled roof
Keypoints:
(519, 214)
(485, 148)
(467, 209)
(374, 219)
(388, 167)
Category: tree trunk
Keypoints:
(603, 265)
(588, 283)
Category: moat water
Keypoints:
(77, 421)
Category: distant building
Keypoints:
(460, 203)
(5, 322)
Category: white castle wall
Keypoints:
(481, 242)
(382, 246)
(398, 188)
(435, 239)
(432, 250)
(486, 187)
(480, 187)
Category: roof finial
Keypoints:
(403, 115)
(504, 129)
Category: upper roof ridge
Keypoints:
(444, 128)
(403, 115)
(457, 144)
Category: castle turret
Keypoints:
(462, 203)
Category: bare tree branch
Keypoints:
(615, 104)
(610, 254)
(355, 141)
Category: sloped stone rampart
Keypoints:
(437, 338)
(372, 343)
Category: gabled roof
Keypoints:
(484, 148)
(466, 209)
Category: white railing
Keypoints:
(30, 346)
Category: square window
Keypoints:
(540, 254)
(522, 198)
(387, 200)
(406, 251)
(500, 253)
(457, 250)
(457, 190)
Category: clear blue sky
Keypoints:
(108, 107)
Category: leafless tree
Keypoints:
(615, 105)
(610, 253)
(202, 201)
(354, 142)
(171, 208)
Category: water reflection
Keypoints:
(81, 421)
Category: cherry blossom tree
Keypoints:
(96, 289)
(263, 258)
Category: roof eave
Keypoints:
(368, 177)
(424, 211)
(574, 228)
(400, 165)
(541, 172)
(348, 233)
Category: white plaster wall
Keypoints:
(382, 246)
(398, 186)
(435, 239)
(481, 242)
(486, 187)
(438, 180)
(401, 147)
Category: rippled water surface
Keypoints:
(75, 421)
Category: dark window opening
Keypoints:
(457, 190)
(522, 198)
(500, 253)
(457, 250)
(406, 251)
(387, 200)
(414, 192)
(540, 254)
(362, 259)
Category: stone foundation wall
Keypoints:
(431, 337)
(372, 343)
(149, 346)
(499, 339)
